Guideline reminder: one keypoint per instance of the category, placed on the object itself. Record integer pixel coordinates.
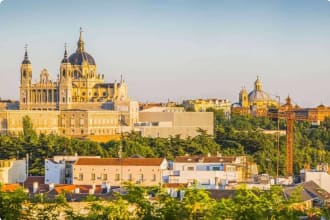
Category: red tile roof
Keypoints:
(118, 162)
(10, 187)
(83, 189)
(204, 159)
(175, 185)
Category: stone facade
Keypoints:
(79, 103)
(79, 85)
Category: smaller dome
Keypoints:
(258, 95)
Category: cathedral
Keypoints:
(79, 85)
(256, 103)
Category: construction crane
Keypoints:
(289, 115)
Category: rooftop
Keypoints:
(119, 162)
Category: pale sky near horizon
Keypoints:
(177, 49)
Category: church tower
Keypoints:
(243, 98)
(26, 77)
(257, 85)
(65, 84)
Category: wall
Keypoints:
(123, 171)
(54, 172)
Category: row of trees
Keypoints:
(136, 204)
(238, 136)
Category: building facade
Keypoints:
(256, 103)
(59, 169)
(117, 171)
(201, 105)
(166, 124)
(12, 171)
(212, 172)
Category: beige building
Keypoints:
(11, 121)
(12, 171)
(116, 171)
(201, 105)
(166, 124)
(82, 123)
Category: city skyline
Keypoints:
(204, 50)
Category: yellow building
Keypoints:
(79, 86)
(79, 103)
(201, 105)
(256, 103)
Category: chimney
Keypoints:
(51, 186)
(108, 188)
(77, 190)
(35, 187)
(216, 183)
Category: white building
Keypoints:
(58, 170)
(320, 176)
(210, 172)
(12, 171)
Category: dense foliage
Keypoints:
(237, 136)
(137, 204)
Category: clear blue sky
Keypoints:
(177, 49)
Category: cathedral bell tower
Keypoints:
(243, 98)
(65, 83)
(26, 77)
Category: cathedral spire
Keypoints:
(26, 56)
(80, 42)
(65, 51)
(65, 59)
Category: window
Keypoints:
(72, 122)
(153, 177)
(215, 168)
(130, 177)
(93, 176)
(117, 177)
(141, 177)
(81, 122)
(190, 168)
(105, 176)
(81, 176)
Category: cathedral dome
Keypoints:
(258, 95)
(79, 57)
